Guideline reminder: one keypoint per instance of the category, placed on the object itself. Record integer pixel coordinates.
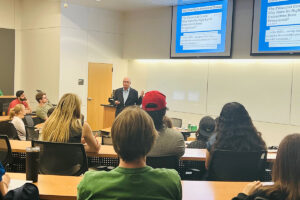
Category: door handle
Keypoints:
(89, 99)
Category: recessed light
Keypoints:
(98, 0)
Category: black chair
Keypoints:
(5, 150)
(237, 166)
(31, 133)
(61, 158)
(169, 162)
(37, 120)
(176, 122)
(28, 121)
(106, 140)
(11, 132)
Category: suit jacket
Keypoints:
(132, 99)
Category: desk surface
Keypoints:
(106, 130)
(54, 187)
(65, 187)
(7, 97)
(109, 152)
(4, 118)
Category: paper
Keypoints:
(15, 183)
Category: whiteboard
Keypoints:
(184, 83)
(264, 87)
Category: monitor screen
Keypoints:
(202, 29)
(276, 27)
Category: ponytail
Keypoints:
(15, 111)
(12, 113)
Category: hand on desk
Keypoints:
(117, 102)
(252, 187)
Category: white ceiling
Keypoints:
(130, 5)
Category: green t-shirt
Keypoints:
(41, 111)
(123, 184)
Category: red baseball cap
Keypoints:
(156, 99)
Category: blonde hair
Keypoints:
(65, 116)
(16, 110)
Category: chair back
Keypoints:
(37, 120)
(11, 131)
(176, 122)
(28, 121)
(169, 162)
(106, 140)
(5, 150)
(237, 166)
(31, 133)
(61, 158)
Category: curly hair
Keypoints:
(235, 130)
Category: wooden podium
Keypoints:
(108, 115)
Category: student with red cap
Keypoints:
(169, 142)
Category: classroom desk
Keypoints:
(186, 133)
(108, 151)
(106, 130)
(4, 118)
(54, 187)
(65, 188)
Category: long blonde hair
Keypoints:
(65, 116)
(16, 110)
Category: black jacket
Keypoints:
(260, 195)
(132, 99)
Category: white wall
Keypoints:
(269, 87)
(89, 35)
(37, 25)
(7, 14)
(148, 34)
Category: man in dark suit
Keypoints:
(126, 96)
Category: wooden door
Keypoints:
(99, 90)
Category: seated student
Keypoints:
(4, 181)
(64, 125)
(133, 135)
(286, 175)
(21, 99)
(169, 141)
(205, 130)
(235, 131)
(16, 115)
(43, 107)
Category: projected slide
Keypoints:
(201, 28)
(279, 25)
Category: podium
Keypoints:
(108, 115)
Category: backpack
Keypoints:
(26, 192)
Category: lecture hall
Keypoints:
(149, 99)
